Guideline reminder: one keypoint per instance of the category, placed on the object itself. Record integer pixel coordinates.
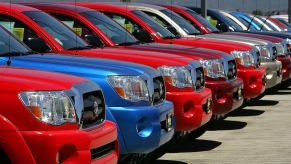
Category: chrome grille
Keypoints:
(200, 79)
(159, 94)
(232, 70)
(94, 109)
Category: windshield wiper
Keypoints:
(18, 53)
(81, 48)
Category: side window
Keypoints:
(192, 23)
(136, 30)
(212, 20)
(125, 22)
(162, 22)
(24, 33)
(80, 29)
(217, 23)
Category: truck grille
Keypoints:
(275, 54)
(232, 70)
(102, 151)
(159, 94)
(94, 109)
(200, 80)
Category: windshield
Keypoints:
(270, 25)
(160, 30)
(10, 45)
(203, 21)
(113, 30)
(233, 24)
(63, 35)
(184, 24)
(254, 19)
(244, 22)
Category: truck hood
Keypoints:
(212, 44)
(80, 66)
(19, 79)
(237, 39)
(256, 35)
(187, 51)
(153, 59)
(274, 34)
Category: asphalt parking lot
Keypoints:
(259, 133)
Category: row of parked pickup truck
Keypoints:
(88, 82)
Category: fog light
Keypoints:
(144, 127)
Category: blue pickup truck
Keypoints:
(134, 94)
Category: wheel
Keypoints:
(135, 159)
(171, 145)
(258, 98)
(198, 132)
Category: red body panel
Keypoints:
(39, 142)
(153, 59)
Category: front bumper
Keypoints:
(190, 109)
(254, 81)
(273, 73)
(74, 146)
(143, 129)
(225, 95)
(286, 67)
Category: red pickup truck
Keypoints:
(39, 121)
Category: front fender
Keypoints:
(12, 142)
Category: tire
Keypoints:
(135, 159)
(4, 158)
(197, 133)
(258, 98)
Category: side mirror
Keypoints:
(94, 40)
(143, 36)
(222, 27)
(37, 45)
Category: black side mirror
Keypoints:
(94, 40)
(143, 36)
(37, 45)
(222, 27)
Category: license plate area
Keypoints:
(238, 94)
(167, 124)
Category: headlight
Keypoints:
(281, 49)
(265, 53)
(52, 107)
(179, 77)
(214, 68)
(132, 88)
(244, 58)
(288, 42)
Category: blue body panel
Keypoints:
(124, 113)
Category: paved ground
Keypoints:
(258, 134)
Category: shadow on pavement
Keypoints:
(197, 145)
(246, 112)
(280, 93)
(167, 162)
(263, 103)
(227, 125)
